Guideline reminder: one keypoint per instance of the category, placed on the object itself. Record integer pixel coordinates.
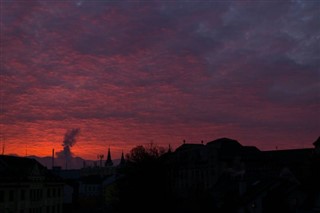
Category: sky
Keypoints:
(130, 73)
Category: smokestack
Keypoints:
(52, 158)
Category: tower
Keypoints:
(109, 162)
(122, 161)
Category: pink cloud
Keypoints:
(129, 74)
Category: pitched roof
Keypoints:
(14, 168)
(226, 143)
(188, 146)
(289, 155)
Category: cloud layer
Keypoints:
(128, 73)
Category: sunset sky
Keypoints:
(135, 72)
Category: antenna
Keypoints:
(52, 158)
(26, 150)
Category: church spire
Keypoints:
(122, 161)
(109, 161)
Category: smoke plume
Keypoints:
(70, 139)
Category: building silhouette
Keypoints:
(27, 186)
(218, 176)
(92, 186)
(236, 178)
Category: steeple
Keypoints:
(122, 161)
(109, 162)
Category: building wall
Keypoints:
(31, 197)
(192, 172)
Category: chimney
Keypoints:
(52, 158)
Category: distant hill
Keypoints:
(73, 163)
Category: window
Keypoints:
(1, 196)
(31, 195)
(48, 192)
(39, 194)
(11, 195)
(23, 194)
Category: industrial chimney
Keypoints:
(52, 158)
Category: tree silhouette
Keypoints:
(145, 154)
(143, 187)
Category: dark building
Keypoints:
(28, 187)
(90, 189)
(196, 168)
(230, 177)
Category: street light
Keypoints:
(100, 157)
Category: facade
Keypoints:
(91, 188)
(28, 187)
(237, 178)
(195, 168)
